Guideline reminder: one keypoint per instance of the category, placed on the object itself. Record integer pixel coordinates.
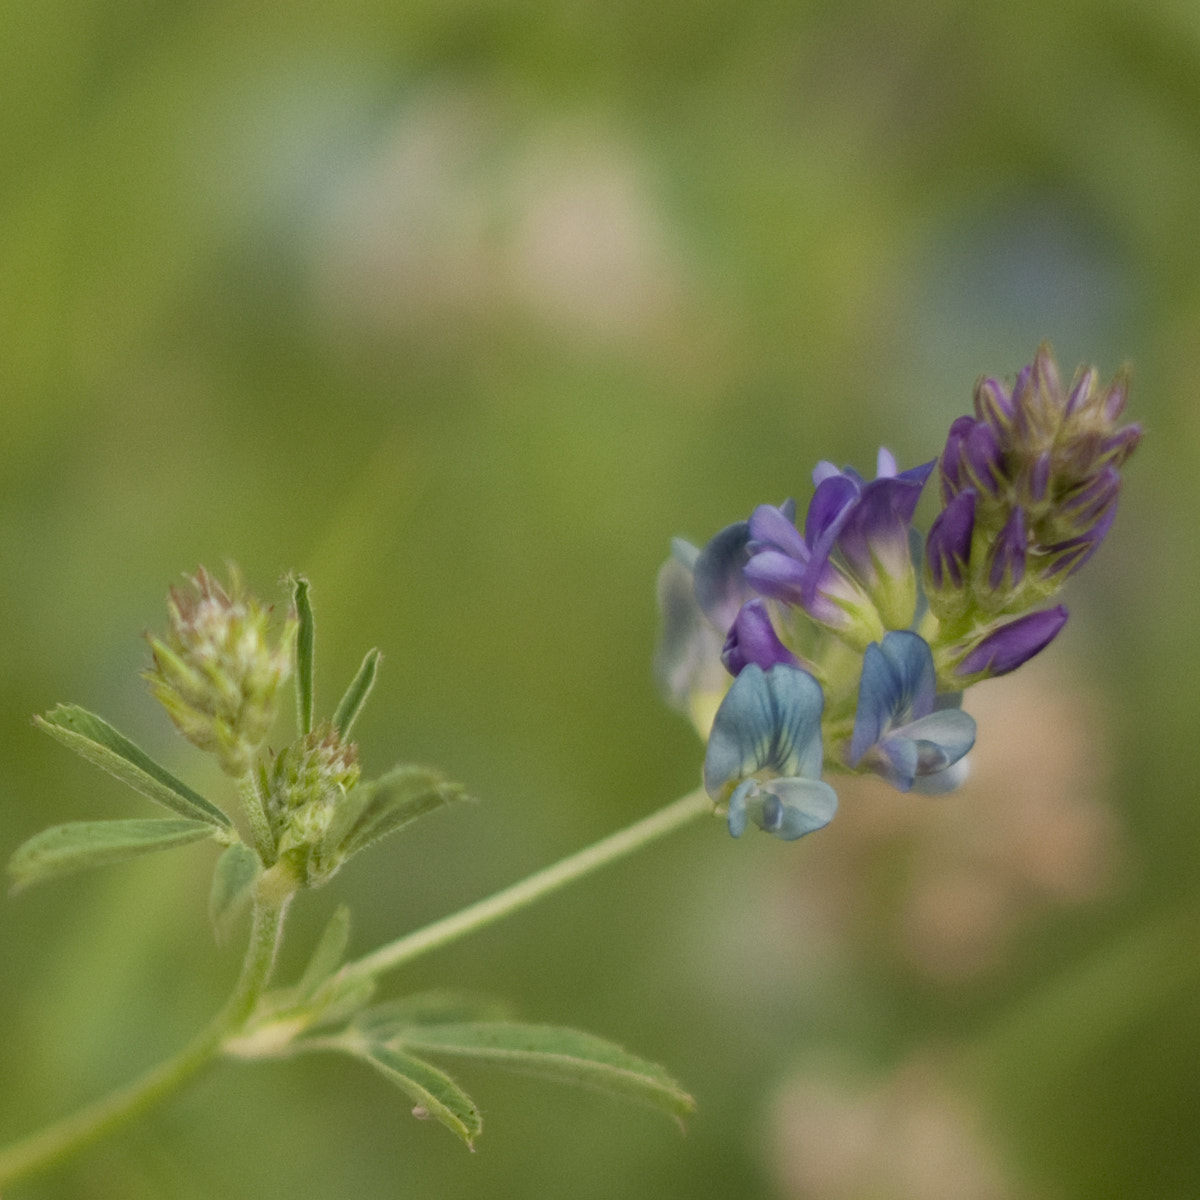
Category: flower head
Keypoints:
(837, 634)
(218, 670)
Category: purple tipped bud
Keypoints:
(1013, 644)
(1039, 477)
(1087, 504)
(1041, 404)
(948, 547)
(1121, 445)
(752, 639)
(950, 465)
(1006, 568)
(982, 458)
(1113, 399)
(1065, 558)
(1081, 389)
(994, 405)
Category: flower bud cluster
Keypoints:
(841, 651)
(304, 786)
(1029, 488)
(218, 670)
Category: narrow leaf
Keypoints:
(356, 695)
(566, 1055)
(233, 881)
(95, 739)
(374, 809)
(305, 642)
(434, 1092)
(394, 1018)
(66, 848)
(327, 957)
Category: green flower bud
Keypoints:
(304, 787)
(218, 670)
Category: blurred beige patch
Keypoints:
(905, 1136)
(947, 880)
(453, 215)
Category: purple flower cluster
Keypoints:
(842, 649)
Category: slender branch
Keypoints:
(55, 1142)
(519, 895)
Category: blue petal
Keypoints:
(951, 730)
(769, 722)
(795, 807)
(876, 692)
(912, 660)
(786, 808)
(720, 588)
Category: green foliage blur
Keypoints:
(463, 309)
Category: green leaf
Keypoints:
(96, 740)
(393, 1018)
(327, 957)
(373, 810)
(233, 881)
(356, 695)
(566, 1055)
(434, 1092)
(66, 848)
(305, 642)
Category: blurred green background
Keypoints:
(463, 309)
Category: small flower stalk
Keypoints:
(218, 670)
(843, 643)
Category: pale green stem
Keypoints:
(256, 814)
(56, 1142)
(516, 897)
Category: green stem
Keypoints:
(521, 894)
(256, 814)
(55, 1142)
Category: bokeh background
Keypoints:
(463, 308)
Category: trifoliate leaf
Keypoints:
(394, 1018)
(566, 1055)
(72, 847)
(374, 809)
(434, 1092)
(95, 739)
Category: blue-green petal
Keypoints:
(769, 724)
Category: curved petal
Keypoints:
(777, 575)
(945, 781)
(772, 527)
(876, 690)
(770, 723)
(912, 659)
(951, 730)
(794, 807)
(720, 588)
